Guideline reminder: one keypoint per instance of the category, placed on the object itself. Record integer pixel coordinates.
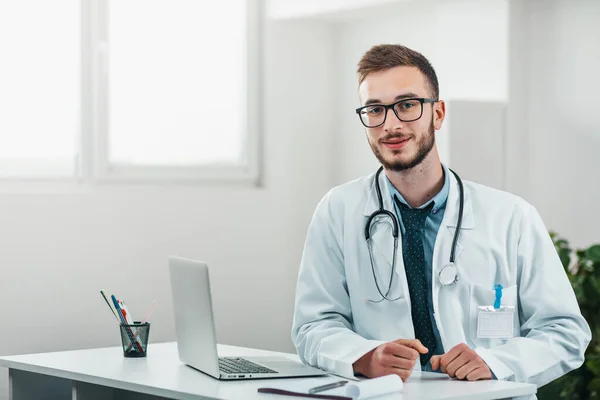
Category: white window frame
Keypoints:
(95, 135)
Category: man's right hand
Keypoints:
(397, 357)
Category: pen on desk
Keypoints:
(322, 388)
(109, 306)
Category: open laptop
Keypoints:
(196, 338)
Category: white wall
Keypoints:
(517, 109)
(476, 131)
(466, 41)
(471, 53)
(291, 9)
(564, 140)
(59, 250)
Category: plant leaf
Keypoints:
(593, 253)
(565, 258)
(584, 276)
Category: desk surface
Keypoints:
(162, 374)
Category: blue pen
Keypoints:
(124, 322)
(118, 308)
(498, 289)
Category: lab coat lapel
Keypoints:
(448, 227)
(452, 212)
(441, 256)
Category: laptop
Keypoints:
(195, 329)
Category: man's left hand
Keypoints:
(462, 362)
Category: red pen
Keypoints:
(129, 322)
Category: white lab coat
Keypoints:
(503, 240)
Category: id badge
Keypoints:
(495, 323)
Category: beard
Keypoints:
(424, 146)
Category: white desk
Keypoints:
(105, 374)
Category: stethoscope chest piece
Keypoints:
(448, 275)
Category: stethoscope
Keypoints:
(448, 275)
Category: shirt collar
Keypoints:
(439, 200)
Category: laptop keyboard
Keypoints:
(237, 365)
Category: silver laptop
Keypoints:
(196, 338)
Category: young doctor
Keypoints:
(412, 268)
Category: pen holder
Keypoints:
(135, 339)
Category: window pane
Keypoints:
(40, 83)
(177, 86)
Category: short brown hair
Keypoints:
(386, 56)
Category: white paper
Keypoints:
(356, 390)
(369, 388)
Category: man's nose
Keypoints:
(392, 122)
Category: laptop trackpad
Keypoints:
(284, 365)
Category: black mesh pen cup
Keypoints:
(135, 339)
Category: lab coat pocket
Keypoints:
(482, 296)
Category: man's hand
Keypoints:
(462, 362)
(397, 357)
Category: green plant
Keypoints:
(583, 269)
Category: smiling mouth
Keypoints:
(396, 143)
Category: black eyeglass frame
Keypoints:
(422, 100)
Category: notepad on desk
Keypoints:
(365, 389)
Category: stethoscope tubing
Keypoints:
(395, 233)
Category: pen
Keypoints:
(129, 319)
(124, 322)
(109, 306)
(322, 388)
(125, 312)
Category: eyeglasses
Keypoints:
(406, 110)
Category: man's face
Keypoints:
(400, 145)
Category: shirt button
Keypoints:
(434, 210)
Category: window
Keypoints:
(39, 88)
(130, 89)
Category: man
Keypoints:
(474, 288)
